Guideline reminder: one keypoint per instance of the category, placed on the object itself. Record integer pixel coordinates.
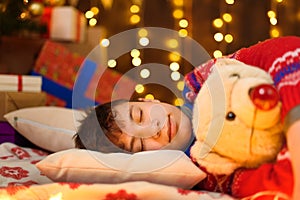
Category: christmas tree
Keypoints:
(21, 18)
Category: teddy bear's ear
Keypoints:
(240, 69)
(227, 61)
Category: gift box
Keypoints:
(61, 69)
(20, 83)
(11, 101)
(65, 23)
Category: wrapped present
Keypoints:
(20, 83)
(11, 101)
(65, 23)
(61, 68)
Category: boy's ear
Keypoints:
(149, 100)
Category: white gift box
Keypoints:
(67, 24)
(20, 83)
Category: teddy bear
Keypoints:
(226, 146)
(236, 119)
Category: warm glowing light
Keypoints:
(175, 76)
(105, 42)
(182, 33)
(178, 2)
(178, 102)
(143, 32)
(149, 96)
(218, 37)
(89, 14)
(218, 23)
(23, 15)
(274, 32)
(134, 19)
(217, 54)
(95, 10)
(144, 41)
(228, 38)
(174, 56)
(271, 14)
(136, 61)
(135, 53)
(279, 1)
(298, 15)
(56, 197)
(177, 13)
(183, 23)
(227, 17)
(93, 22)
(174, 66)
(180, 85)
(230, 2)
(112, 63)
(134, 9)
(139, 88)
(273, 21)
(172, 43)
(145, 73)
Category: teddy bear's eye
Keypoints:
(230, 116)
(235, 75)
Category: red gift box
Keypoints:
(60, 66)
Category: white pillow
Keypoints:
(48, 127)
(168, 167)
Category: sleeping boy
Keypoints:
(280, 57)
(135, 126)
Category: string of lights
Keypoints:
(221, 24)
(273, 18)
(182, 24)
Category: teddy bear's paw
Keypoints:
(214, 163)
(199, 150)
(217, 164)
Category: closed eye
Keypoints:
(136, 114)
(141, 115)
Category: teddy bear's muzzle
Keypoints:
(264, 96)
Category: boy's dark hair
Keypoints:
(95, 128)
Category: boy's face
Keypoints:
(149, 126)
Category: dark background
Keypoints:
(250, 25)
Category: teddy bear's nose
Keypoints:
(264, 96)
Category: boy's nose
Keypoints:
(149, 129)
